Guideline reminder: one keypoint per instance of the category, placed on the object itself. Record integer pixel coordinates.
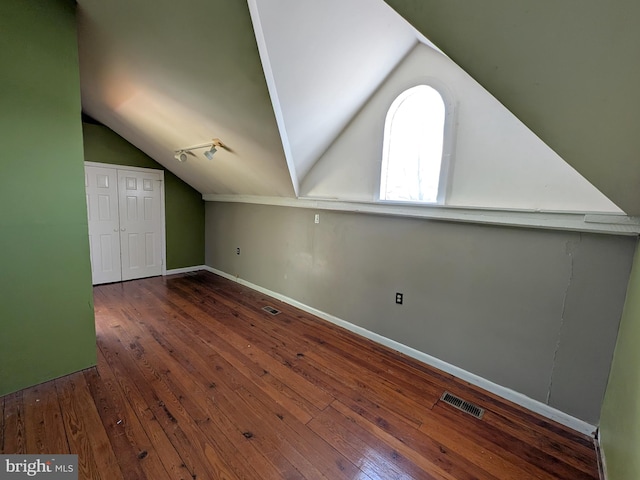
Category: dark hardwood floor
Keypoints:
(195, 381)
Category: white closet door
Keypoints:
(140, 223)
(104, 228)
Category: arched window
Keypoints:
(414, 147)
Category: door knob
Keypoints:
(115, 229)
(123, 229)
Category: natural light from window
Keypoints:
(413, 146)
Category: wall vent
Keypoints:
(271, 310)
(463, 405)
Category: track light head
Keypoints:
(209, 153)
(181, 156)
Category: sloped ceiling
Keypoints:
(168, 75)
(323, 60)
(569, 70)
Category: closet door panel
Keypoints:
(140, 223)
(104, 228)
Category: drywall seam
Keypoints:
(570, 249)
(504, 392)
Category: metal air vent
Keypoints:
(271, 310)
(463, 405)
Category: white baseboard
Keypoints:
(602, 461)
(195, 268)
(504, 392)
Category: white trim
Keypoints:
(615, 224)
(263, 51)
(602, 461)
(163, 226)
(123, 167)
(504, 392)
(195, 268)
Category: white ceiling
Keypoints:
(167, 75)
(323, 60)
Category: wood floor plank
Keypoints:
(373, 386)
(369, 453)
(222, 392)
(14, 424)
(43, 420)
(195, 381)
(373, 364)
(196, 357)
(521, 450)
(199, 321)
(272, 329)
(429, 456)
(84, 430)
(576, 453)
(120, 440)
(128, 439)
(301, 443)
(415, 402)
(161, 434)
(193, 447)
(204, 404)
(354, 394)
(328, 460)
(205, 445)
(505, 411)
(458, 437)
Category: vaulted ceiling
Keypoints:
(168, 75)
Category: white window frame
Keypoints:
(448, 144)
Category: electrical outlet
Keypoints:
(238, 251)
(317, 218)
(399, 297)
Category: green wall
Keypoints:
(620, 419)
(46, 303)
(184, 205)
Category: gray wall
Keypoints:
(532, 310)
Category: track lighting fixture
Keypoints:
(213, 146)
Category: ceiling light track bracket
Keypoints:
(182, 154)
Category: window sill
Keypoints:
(580, 222)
